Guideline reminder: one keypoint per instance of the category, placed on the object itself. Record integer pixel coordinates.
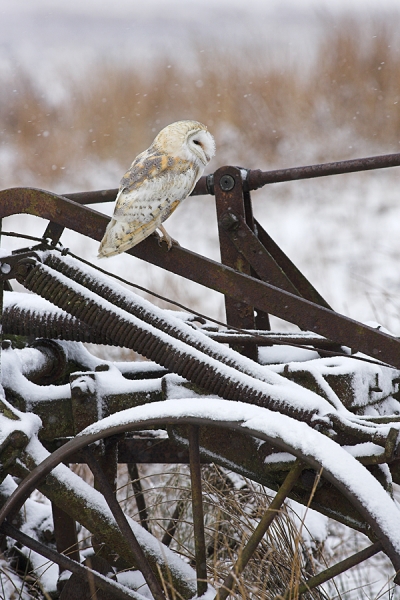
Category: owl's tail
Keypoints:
(120, 237)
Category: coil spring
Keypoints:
(45, 282)
(136, 307)
(26, 322)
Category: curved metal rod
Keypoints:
(63, 453)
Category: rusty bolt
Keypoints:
(23, 268)
(227, 183)
(229, 221)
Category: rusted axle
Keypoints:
(256, 178)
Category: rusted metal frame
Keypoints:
(109, 495)
(63, 454)
(250, 247)
(53, 232)
(266, 338)
(197, 509)
(139, 496)
(305, 314)
(261, 529)
(337, 569)
(65, 533)
(229, 197)
(172, 525)
(296, 277)
(67, 564)
(256, 178)
(106, 456)
(261, 318)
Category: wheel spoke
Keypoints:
(337, 569)
(67, 564)
(198, 514)
(260, 530)
(126, 530)
(139, 496)
(172, 525)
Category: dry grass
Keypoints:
(261, 113)
(231, 514)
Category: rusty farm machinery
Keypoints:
(324, 431)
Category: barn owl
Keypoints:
(159, 179)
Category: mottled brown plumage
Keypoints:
(159, 179)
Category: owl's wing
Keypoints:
(149, 192)
(154, 182)
(120, 236)
(147, 166)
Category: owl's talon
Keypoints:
(165, 237)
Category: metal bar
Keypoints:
(260, 530)
(65, 533)
(139, 496)
(228, 187)
(126, 530)
(251, 248)
(305, 314)
(266, 338)
(95, 197)
(257, 178)
(53, 232)
(172, 525)
(197, 506)
(298, 280)
(261, 318)
(337, 569)
(143, 450)
(67, 564)
(151, 450)
(63, 454)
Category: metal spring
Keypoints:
(26, 322)
(42, 280)
(134, 307)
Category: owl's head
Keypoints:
(189, 140)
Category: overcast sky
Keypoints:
(132, 7)
(49, 36)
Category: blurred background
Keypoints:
(86, 86)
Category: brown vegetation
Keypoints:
(345, 102)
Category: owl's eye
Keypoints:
(196, 142)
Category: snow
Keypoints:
(93, 499)
(38, 518)
(30, 302)
(28, 423)
(286, 433)
(272, 385)
(11, 585)
(13, 366)
(269, 355)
